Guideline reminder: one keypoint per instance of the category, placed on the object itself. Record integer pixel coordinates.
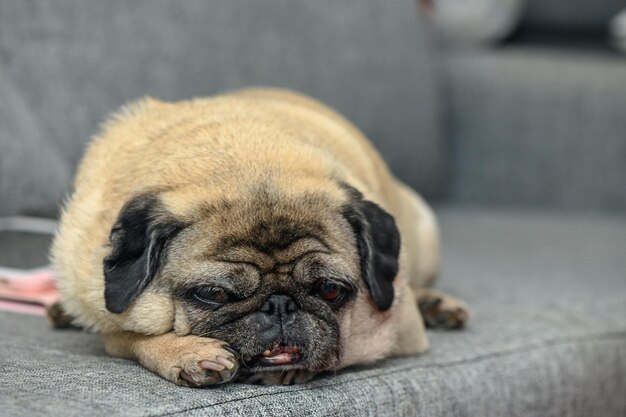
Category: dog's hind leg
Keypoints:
(420, 238)
(440, 310)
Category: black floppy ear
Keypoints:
(378, 242)
(139, 239)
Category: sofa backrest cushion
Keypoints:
(33, 175)
(71, 62)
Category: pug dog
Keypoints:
(255, 235)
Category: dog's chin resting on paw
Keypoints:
(253, 236)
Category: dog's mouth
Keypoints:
(279, 354)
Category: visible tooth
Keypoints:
(282, 358)
(267, 352)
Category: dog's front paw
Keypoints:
(205, 362)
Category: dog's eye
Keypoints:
(331, 292)
(213, 296)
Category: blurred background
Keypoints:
(508, 115)
(511, 104)
(484, 102)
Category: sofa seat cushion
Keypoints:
(548, 338)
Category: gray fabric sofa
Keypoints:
(522, 149)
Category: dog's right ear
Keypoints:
(139, 240)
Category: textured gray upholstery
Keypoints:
(572, 14)
(549, 129)
(72, 62)
(548, 338)
(31, 170)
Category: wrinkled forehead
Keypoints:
(266, 222)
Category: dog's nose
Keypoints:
(279, 305)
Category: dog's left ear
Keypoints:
(378, 243)
(139, 240)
